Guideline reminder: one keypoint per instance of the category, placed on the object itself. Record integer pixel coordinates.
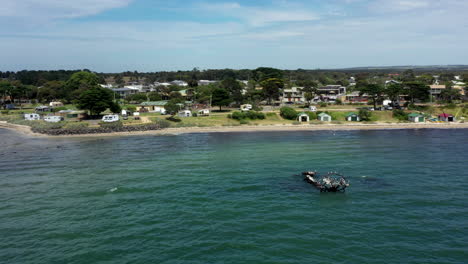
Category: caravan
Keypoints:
(110, 118)
(53, 119)
(32, 117)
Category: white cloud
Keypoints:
(53, 9)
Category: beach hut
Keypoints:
(353, 117)
(417, 118)
(446, 117)
(32, 117)
(204, 112)
(185, 113)
(303, 117)
(324, 117)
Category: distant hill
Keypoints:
(406, 67)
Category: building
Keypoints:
(416, 118)
(124, 92)
(354, 97)
(179, 83)
(294, 94)
(446, 118)
(206, 82)
(352, 117)
(436, 89)
(324, 117)
(154, 107)
(303, 117)
(331, 90)
(55, 104)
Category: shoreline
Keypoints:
(26, 130)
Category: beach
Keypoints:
(249, 128)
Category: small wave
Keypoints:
(113, 189)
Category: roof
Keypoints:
(351, 114)
(323, 114)
(302, 113)
(445, 115)
(435, 86)
(154, 103)
(414, 115)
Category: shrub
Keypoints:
(288, 113)
(244, 122)
(400, 115)
(174, 119)
(338, 102)
(322, 104)
(257, 108)
(194, 114)
(5, 112)
(271, 114)
(365, 114)
(60, 108)
(312, 115)
(252, 115)
(111, 125)
(162, 123)
(130, 108)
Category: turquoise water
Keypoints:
(235, 198)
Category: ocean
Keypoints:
(235, 198)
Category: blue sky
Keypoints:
(144, 35)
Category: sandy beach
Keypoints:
(25, 130)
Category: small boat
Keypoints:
(331, 182)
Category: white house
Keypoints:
(324, 117)
(32, 117)
(294, 94)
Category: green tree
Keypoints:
(449, 95)
(288, 113)
(310, 91)
(220, 97)
(234, 88)
(80, 82)
(154, 96)
(95, 100)
(365, 114)
(271, 88)
(393, 91)
(263, 73)
(115, 108)
(374, 92)
(417, 91)
(173, 106)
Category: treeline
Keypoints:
(293, 77)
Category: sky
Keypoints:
(157, 35)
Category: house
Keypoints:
(436, 89)
(353, 117)
(124, 92)
(324, 117)
(355, 97)
(331, 90)
(303, 117)
(417, 118)
(179, 83)
(56, 104)
(206, 82)
(294, 94)
(152, 106)
(204, 112)
(185, 113)
(446, 117)
(72, 115)
(32, 117)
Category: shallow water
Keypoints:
(235, 198)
